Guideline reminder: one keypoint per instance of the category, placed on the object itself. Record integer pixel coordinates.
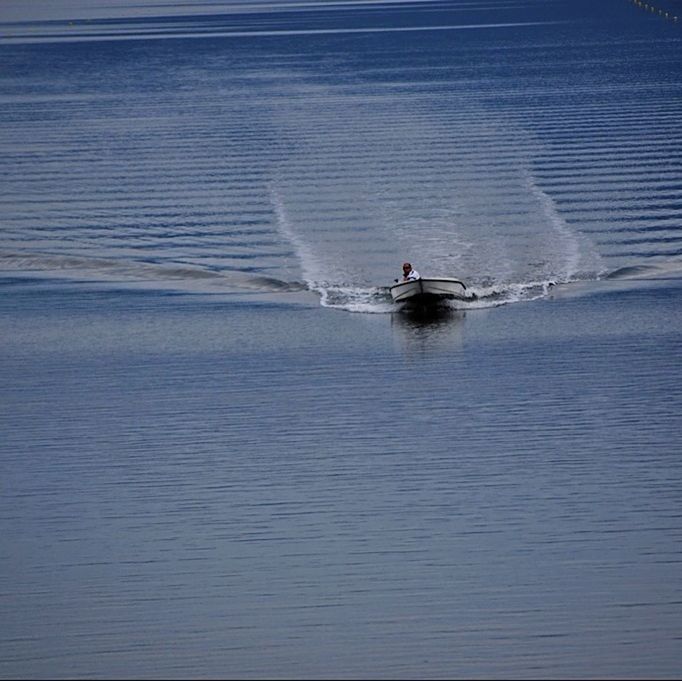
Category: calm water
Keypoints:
(224, 454)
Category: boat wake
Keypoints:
(181, 276)
(329, 280)
(377, 300)
(662, 270)
(484, 294)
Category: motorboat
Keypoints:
(427, 291)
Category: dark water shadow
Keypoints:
(425, 330)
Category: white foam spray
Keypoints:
(322, 276)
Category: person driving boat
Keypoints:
(409, 273)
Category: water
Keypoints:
(224, 453)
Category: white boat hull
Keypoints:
(427, 291)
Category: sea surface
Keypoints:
(225, 453)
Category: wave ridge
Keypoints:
(184, 276)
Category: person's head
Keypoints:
(407, 268)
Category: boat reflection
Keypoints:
(423, 330)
